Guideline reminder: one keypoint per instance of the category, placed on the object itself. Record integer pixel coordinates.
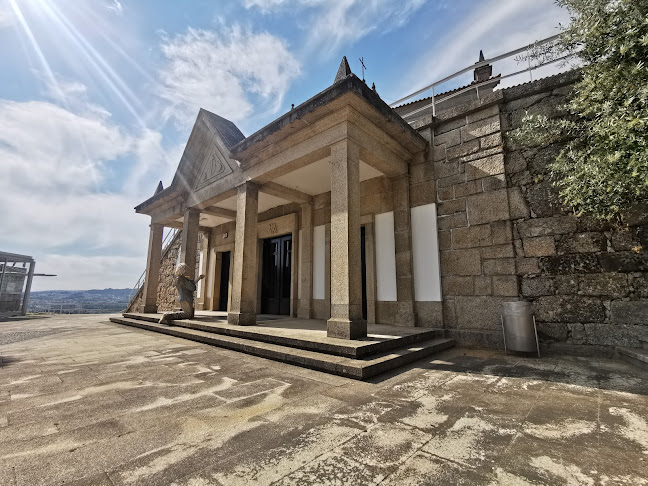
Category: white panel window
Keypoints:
(299, 265)
(200, 269)
(319, 262)
(385, 257)
(425, 253)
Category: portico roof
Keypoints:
(218, 157)
(349, 84)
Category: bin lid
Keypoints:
(516, 308)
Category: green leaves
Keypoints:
(603, 165)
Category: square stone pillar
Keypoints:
(305, 310)
(346, 320)
(244, 285)
(202, 301)
(189, 243)
(405, 315)
(153, 262)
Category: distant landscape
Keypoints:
(98, 301)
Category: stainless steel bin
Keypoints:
(519, 327)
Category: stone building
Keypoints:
(348, 210)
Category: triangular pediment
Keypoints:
(214, 167)
(206, 158)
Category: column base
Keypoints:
(405, 315)
(304, 312)
(346, 329)
(148, 309)
(242, 318)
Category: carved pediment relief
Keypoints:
(214, 167)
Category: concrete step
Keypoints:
(359, 369)
(374, 344)
(637, 357)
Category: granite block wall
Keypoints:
(587, 279)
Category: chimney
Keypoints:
(484, 72)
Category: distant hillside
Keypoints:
(96, 301)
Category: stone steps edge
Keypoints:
(340, 366)
(327, 348)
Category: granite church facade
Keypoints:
(347, 210)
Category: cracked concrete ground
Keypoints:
(87, 402)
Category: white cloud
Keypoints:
(53, 196)
(44, 146)
(115, 7)
(264, 5)
(498, 26)
(227, 72)
(336, 23)
(6, 14)
(78, 272)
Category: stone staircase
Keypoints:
(635, 356)
(385, 348)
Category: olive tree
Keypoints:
(602, 167)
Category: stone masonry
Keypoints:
(503, 234)
(588, 280)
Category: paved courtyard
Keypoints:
(87, 402)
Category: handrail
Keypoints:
(479, 64)
(483, 83)
(168, 239)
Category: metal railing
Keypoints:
(528, 50)
(168, 240)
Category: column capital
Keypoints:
(248, 185)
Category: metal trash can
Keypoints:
(519, 327)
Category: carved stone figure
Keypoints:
(186, 287)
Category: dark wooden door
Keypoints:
(223, 294)
(276, 275)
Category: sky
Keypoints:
(98, 97)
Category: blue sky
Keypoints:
(98, 97)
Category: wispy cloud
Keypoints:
(116, 7)
(227, 72)
(56, 165)
(6, 14)
(334, 24)
(497, 26)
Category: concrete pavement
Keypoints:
(87, 402)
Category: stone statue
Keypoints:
(186, 288)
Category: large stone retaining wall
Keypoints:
(504, 236)
(587, 279)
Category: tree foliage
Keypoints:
(603, 165)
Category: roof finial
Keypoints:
(343, 71)
(484, 72)
(160, 188)
(373, 87)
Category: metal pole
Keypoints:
(4, 269)
(433, 105)
(529, 63)
(30, 277)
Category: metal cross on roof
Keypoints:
(363, 67)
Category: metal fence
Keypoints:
(527, 55)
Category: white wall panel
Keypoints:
(425, 253)
(200, 270)
(385, 257)
(319, 262)
(299, 265)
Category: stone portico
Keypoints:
(352, 212)
(321, 174)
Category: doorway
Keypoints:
(223, 294)
(276, 276)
